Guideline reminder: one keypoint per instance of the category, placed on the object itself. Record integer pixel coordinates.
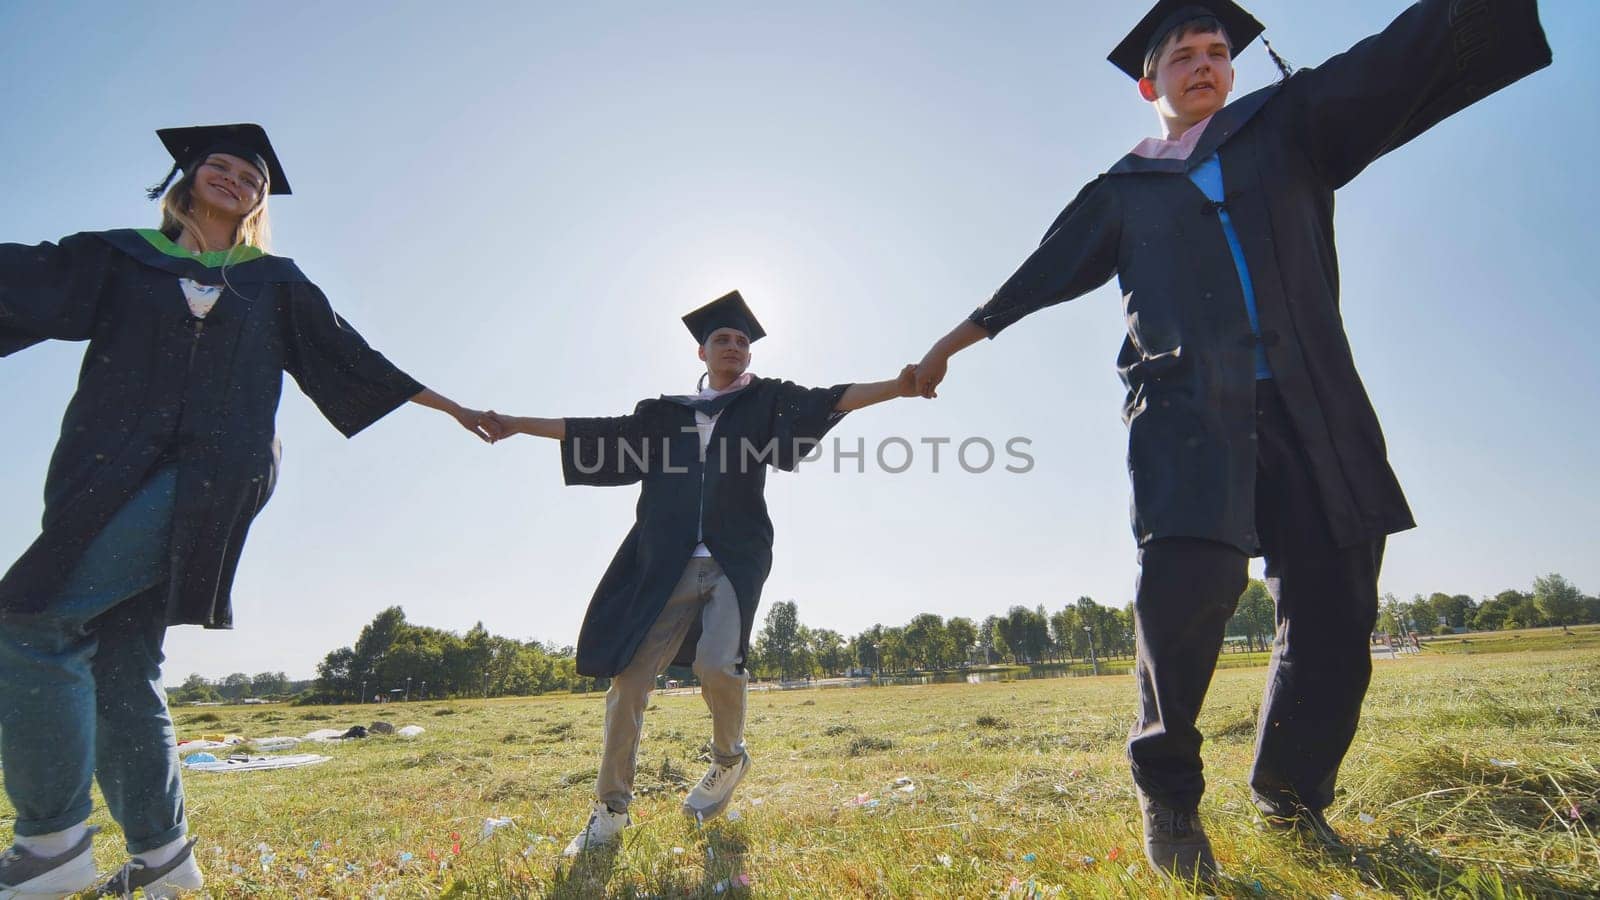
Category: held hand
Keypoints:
(476, 422)
(499, 426)
(906, 382)
(930, 372)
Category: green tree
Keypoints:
(1066, 632)
(343, 671)
(1492, 613)
(963, 635)
(1524, 613)
(235, 687)
(335, 674)
(468, 661)
(1254, 619)
(268, 684)
(1126, 641)
(196, 689)
(780, 639)
(828, 649)
(416, 662)
(992, 637)
(1391, 618)
(864, 649)
(1418, 615)
(1449, 610)
(892, 649)
(926, 641)
(1027, 634)
(1106, 629)
(1558, 600)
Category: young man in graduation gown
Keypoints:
(684, 586)
(1249, 431)
(167, 454)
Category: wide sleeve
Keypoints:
(610, 451)
(351, 383)
(1077, 255)
(51, 291)
(1435, 59)
(801, 416)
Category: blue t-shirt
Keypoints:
(1208, 178)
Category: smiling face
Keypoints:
(227, 187)
(1190, 78)
(726, 353)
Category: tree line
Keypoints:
(785, 648)
(392, 659)
(237, 688)
(1553, 600)
(395, 659)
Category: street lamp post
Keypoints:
(363, 691)
(408, 689)
(1093, 659)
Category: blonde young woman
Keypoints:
(167, 453)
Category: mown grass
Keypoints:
(1470, 777)
(1578, 637)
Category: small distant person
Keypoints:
(167, 453)
(684, 586)
(1249, 431)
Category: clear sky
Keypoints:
(515, 202)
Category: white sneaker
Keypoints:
(180, 873)
(604, 827)
(28, 875)
(710, 797)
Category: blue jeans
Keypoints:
(80, 686)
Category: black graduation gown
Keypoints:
(155, 386)
(1188, 360)
(720, 497)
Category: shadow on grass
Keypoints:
(725, 844)
(722, 875)
(1404, 867)
(588, 874)
(1497, 828)
(1398, 864)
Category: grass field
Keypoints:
(1472, 776)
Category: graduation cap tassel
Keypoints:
(155, 192)
(1283, 67)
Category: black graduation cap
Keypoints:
(190, 146)
(1135, 49)
(727, 311)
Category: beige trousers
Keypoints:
(703, 592)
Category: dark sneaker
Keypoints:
(1311, 824)
(28, 875)
(180, 874)
(1175, 842)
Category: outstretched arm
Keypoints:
(51, 291)
(505, 426)
(1436, 58)
(475, 421)
(1078, 254)
(858, 396)
(937, 360)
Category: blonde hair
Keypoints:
(177, 214)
